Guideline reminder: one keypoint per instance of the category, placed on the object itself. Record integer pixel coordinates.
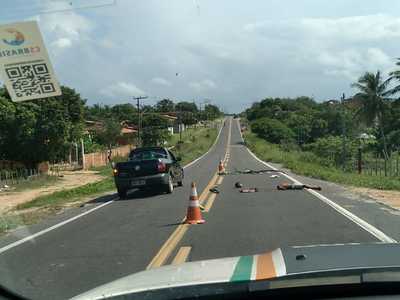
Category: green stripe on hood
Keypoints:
(243, 268)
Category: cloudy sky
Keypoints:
(232, 52)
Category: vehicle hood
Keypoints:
(278, 263)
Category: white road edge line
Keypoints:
(212, 147)
(360, 222)
(37, 234)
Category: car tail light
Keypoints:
(161, 167)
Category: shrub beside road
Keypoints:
(304, 163)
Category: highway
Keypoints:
(145, 231)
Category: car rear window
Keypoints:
(147, 154)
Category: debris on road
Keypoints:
(249, 190)
(255, 172)
(238, 185)
(289, 186)
(214, 190)
(221, 168)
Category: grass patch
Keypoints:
(12, 221)
(36, 182)
(194, 143)
(297, 162)
(70, 195)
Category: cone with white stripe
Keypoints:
(193, 213)
(221, 168)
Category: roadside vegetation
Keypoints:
(195, 142)
(52, 131)
(307, 164)
(354, 140)
(41, 180)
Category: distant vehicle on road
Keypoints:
(148, 167)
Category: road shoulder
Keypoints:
(378, 214)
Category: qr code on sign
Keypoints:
(30, 79)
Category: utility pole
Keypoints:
(139, 117)
(83, 155)
(180, 124)
(206, 102)
(343, 133)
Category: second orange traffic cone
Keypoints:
(193, 213)
(221, 168)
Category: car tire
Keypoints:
(169, 186)
(122, 193)
(180, 183)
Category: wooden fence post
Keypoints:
(385, 165)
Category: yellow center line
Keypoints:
(170, 244)
(181, 256)
(210, 202)
(206, 191)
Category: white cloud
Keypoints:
(122, 89)
(351, 63)
(62, 43)
(339, 47)
(370, 27)
(378, 57)
(161, 81)
(65, 30)
(202, 85)
(67, 25)
(107, 43)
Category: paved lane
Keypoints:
(124, 237)
(111, 242)
(243, 224)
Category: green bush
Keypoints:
(309, 157)
(301, 163)
(330, 149)
(272, 130)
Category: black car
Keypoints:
(149, 167)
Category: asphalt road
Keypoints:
(124, 236)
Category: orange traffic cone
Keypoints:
(221, 168)
(193, 213)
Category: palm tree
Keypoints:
(374, 101)
(395, 75)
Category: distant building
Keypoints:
(175, 125)
(128, 131)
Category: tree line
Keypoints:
(47, 129)
(334, 130)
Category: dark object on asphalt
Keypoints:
(149, 167)
(238, 185)
(301, 257)
(249, 190)
(247, 171)
(214, 190)
(290, 186)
